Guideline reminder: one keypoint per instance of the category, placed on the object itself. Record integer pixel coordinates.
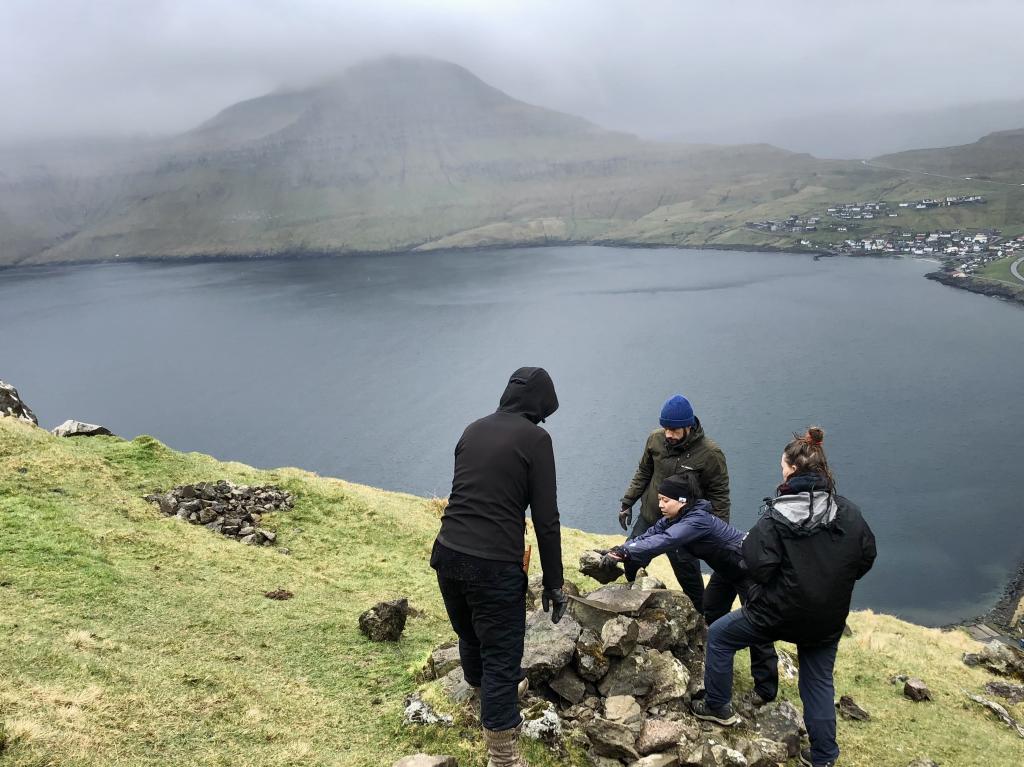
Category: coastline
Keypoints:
(983, 287)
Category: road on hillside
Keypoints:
(1015, 268)
(939, 175)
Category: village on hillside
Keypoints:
(962, 251)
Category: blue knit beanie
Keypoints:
(677, 413)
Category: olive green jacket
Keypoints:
(660, 460)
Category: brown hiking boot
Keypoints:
(503, 748)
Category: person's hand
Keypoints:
(613, 557)
(626, 517)
(557, 601)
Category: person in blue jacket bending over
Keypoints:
(687, 522)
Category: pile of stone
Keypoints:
(226, 508)
(616, 676)
(11, 405)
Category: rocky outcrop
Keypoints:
(991, 288)
(81, 429)
(1001, 712)
(11, 405)
(225, 508)
(998, 658)
(615, 677)
(385, 621)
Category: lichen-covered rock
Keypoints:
(11, 405)
(590, 661)
(645, 582)
(612, 739)
(618, 636)
(723, 756)
(1014, 693)
(385, 621)
(81, 429)
(669, 678)
(762, 752)
(417, 711)
(546, 728)
(548, 647)
(1001, 712)
(658, 760)
(787, 666)
(660, 735)
(628, 676)
(999, 659)
(782, 722)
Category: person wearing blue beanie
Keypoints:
(680, 445)
(677, 413)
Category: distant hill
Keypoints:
(394, 155)
(999, 156)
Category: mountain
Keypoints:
(997, 156)
(394, 155)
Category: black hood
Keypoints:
(531, 393)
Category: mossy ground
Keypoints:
(130, 639)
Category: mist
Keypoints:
(784, 72)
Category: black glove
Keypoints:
(626, 517)
(615, 556)
(557, 601)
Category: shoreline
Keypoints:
(990, 288)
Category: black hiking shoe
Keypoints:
(723, 716)
(805, 759)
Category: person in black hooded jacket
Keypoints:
(804, 556)
(504, 463)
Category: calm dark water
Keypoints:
(369, 368)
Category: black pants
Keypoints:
(764, 661)
(489, 616)
(685, 567)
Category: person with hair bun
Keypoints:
(804, 556)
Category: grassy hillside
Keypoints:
(131, 639)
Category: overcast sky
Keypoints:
(649, 66)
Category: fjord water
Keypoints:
(368, 368)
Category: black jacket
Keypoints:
(503, 463)
(804, 556)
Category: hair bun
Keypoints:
(815, 436)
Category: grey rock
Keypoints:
(660, 735)
(762, 752)
(723, 756)
(1001, 712)
(619, 598)
(590, 661)
(80, 429)
(417, 711)
(692, 754)
(11, 405)
(658, 760)
(923, 763)
(612, 739)
(998, 658)
(916, 690)
(548, 647)
(848, 709)
(206, 516)
(619, 635)
(590, 565)
(628, 676)
(782, 722)
(645, 582)
(426, 760)
(385, 621)
(442, 660)
(624, 710)
(568, 685)
(546, 728)
(669, 678)
(1014, 693)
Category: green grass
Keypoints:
(130, 639)
(1000, 271)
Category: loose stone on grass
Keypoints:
(916, 690)
(848, 709)
(385, 621)
(417, 711)
(278, 594)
